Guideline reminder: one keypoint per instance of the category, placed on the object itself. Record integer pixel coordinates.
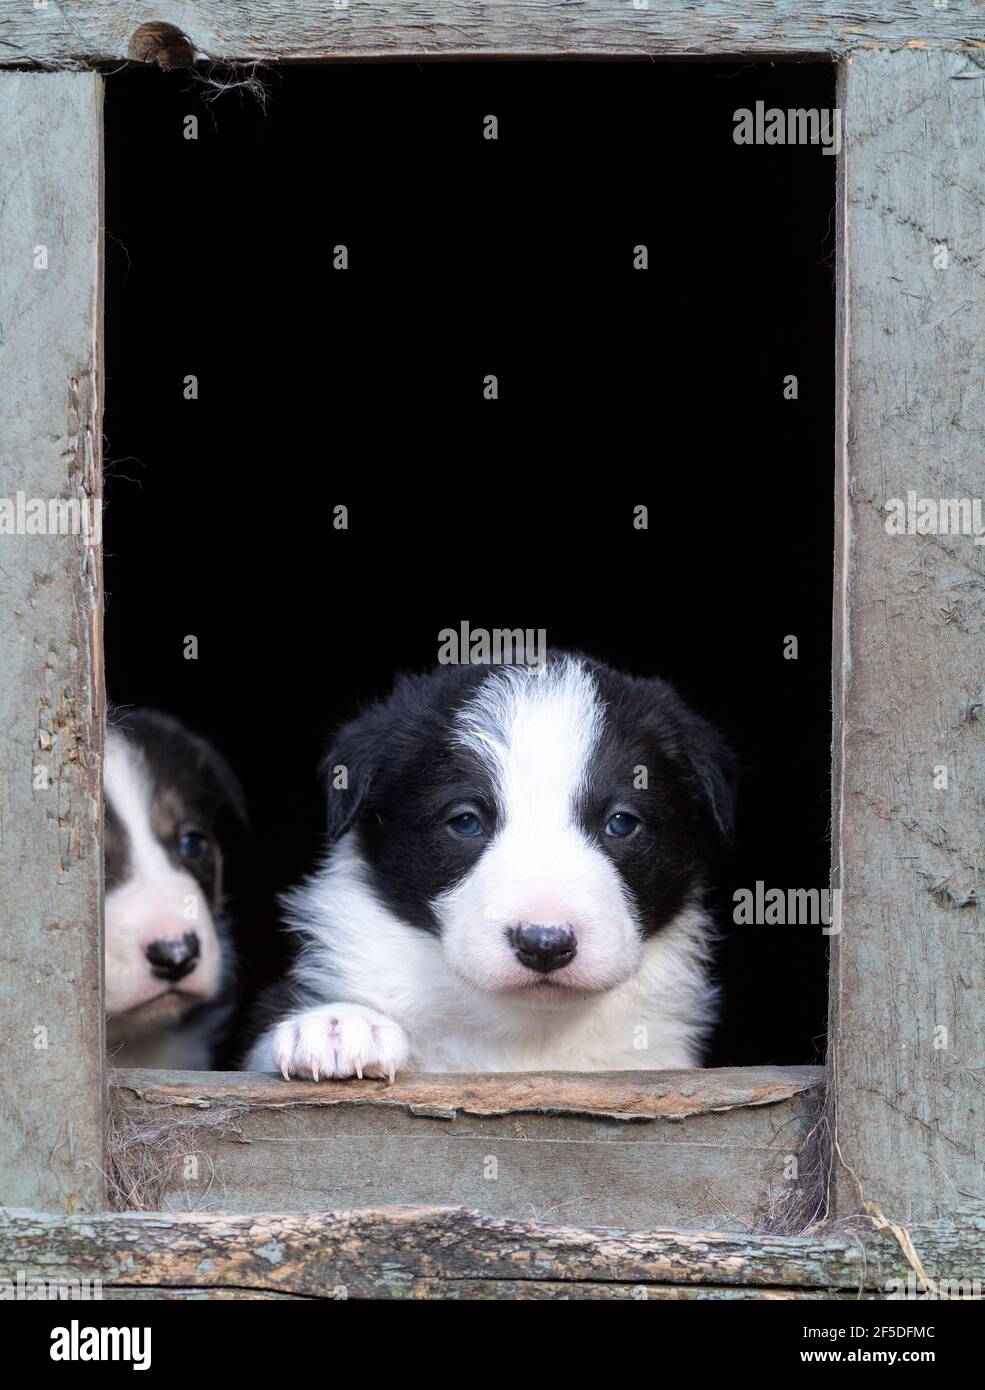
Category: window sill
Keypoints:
(691, 1149)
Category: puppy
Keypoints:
(515, 880)
(171, 804)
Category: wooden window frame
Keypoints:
(904, 1066)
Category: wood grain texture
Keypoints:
(51, 697)
(621, 1095)
(98, 32)
(510, 1290)
(630, 1150)
(413, 1252)
(910, 642)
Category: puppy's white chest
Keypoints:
(577, 1047)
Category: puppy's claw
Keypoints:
(340, 1040)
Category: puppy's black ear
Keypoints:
(716, 771)
(190, 760)
(229, 785)
(349, 768)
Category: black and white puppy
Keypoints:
(515, 880)
(171, 805)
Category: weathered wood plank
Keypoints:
(51, 697)
(629, 1150)
(706, 1171)
(498, 1290)
(909, 965)
(204, 1295)
(621, 1095)
(384, 1253)
(94, 32)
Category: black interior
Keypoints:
(364, 387)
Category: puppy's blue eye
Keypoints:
(192, 846)
(466, 824)
(621, 824)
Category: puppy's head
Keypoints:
(171, 803)
(542, 821)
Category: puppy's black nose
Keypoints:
(544, 948)
(173, 960)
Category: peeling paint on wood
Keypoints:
(51, 698)
(908, 969)
(415, 1252)
(607, 1095)
(511, 1290)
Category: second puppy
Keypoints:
(172, 808)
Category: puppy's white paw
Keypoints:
(339, 1040)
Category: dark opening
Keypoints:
(618, 387)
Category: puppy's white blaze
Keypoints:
(151, 904)
(535, 732)
(128, 790)
(534, 729)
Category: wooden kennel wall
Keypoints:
(904, 1078)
